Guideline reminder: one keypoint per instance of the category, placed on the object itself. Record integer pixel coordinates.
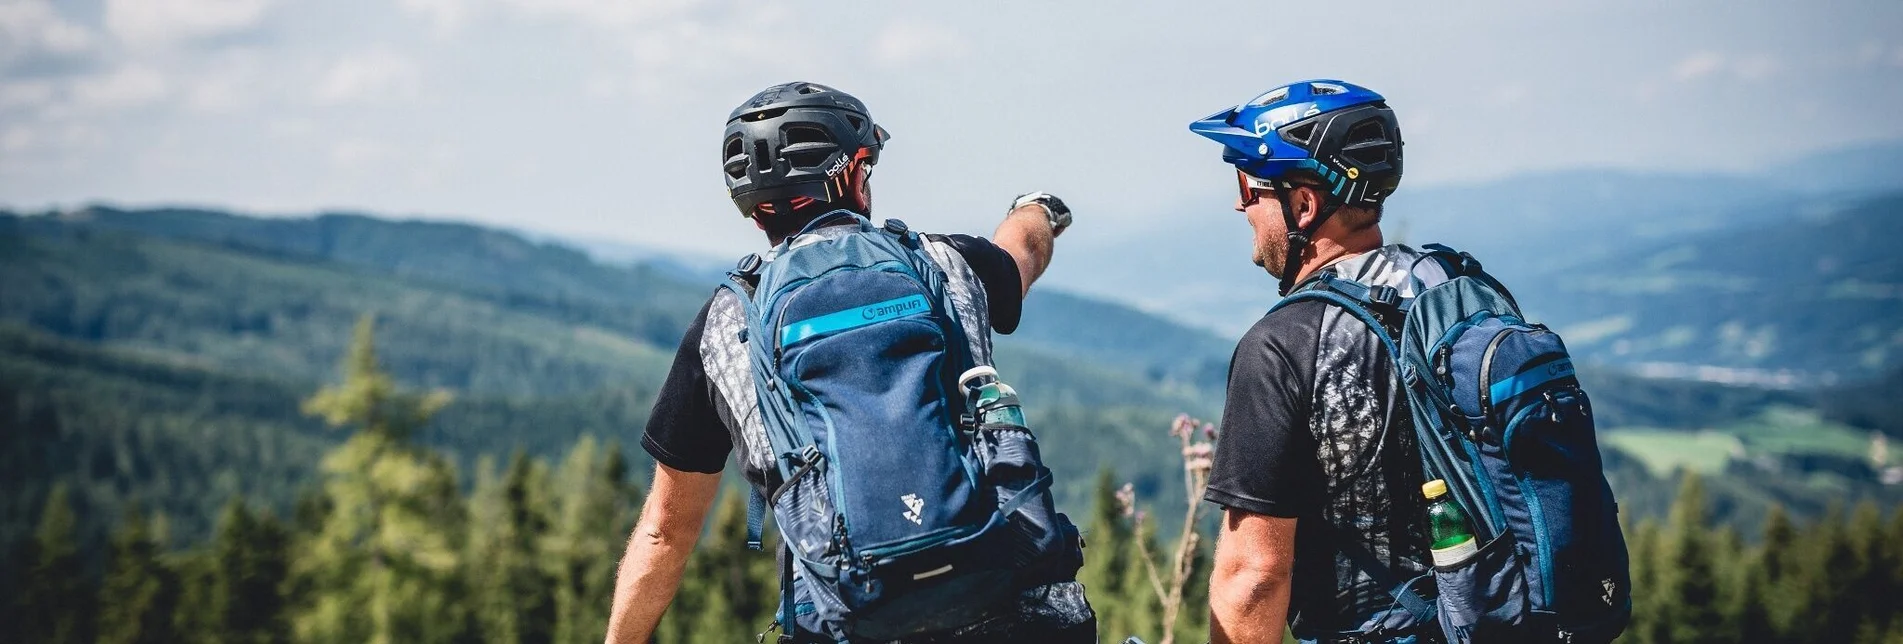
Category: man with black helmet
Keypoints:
(794, 155)
(1316, 468)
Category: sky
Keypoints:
(600, 119)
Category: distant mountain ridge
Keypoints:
(1550, 235)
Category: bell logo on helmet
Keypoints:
(913, 506)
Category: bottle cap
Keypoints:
(1434, 488)
(974, 373)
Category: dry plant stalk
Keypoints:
(1198, 443)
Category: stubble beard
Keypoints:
(1272, 256)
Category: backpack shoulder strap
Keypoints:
(1358, 299)
(967, 295)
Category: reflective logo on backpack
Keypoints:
(913, 506)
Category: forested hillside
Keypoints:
(155, 368)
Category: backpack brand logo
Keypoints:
(892, 308)
(914, 506)
(1610, 589)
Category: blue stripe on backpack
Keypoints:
(899, 516)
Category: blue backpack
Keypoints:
(900, 515)
(1501, 418)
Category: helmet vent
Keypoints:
(807, 146)
(734, 159)
(1300, 134)
(856, 122)
(1326, 89)
(810, 89)
(1272, 96)
(761, 161)
(1367, 143)
(806, 134)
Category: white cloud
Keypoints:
(361, 154)
(368, 76)
(129, 86)
(31, 28)
(907, 43)
(167, 21)
(1757, 67)
(25, 94)
(1506, 95)
(604, 13)
(445, 15)
(1697, 65)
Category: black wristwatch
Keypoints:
(1055, 211)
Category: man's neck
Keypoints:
(1324, 251)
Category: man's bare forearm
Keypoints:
(645, 584)
(1248, 609)
(650, 571)
(1026, 234)
(1249, 585)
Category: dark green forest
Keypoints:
(388, 548)
(172, 473)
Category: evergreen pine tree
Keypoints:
(1647, 627)
(1750, 612)
(139, 596)
(1728, 549)
(1832, 602)
(1781, 560)
(1869, 597)
(513, 595)
(383, 566)
(731, 604)
(249, 565)
(1108, 561)
(53, 605)
(1688, 589)
(594, 514)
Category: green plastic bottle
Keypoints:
(995, 402)
(1453, 536)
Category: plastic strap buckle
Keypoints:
(1384, 295)
(748, 265)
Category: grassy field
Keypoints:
(1776, 431)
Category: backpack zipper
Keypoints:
(1486, 374)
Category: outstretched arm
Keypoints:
(1249, 585)
(1027, 233)
(657, 552)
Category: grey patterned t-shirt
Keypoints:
(1315, 427)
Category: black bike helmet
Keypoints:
(795, 140)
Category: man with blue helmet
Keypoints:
(1316, 432)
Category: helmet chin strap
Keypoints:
(1299, 238)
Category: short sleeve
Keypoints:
(1265, 459)
(685, 431)
(995, 268)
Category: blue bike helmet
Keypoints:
(1335, 136)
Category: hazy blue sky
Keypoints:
(601, 118)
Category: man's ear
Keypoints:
(862, 188)
(1307, 203)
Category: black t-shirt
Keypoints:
(689, 428)
(1315, 428)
